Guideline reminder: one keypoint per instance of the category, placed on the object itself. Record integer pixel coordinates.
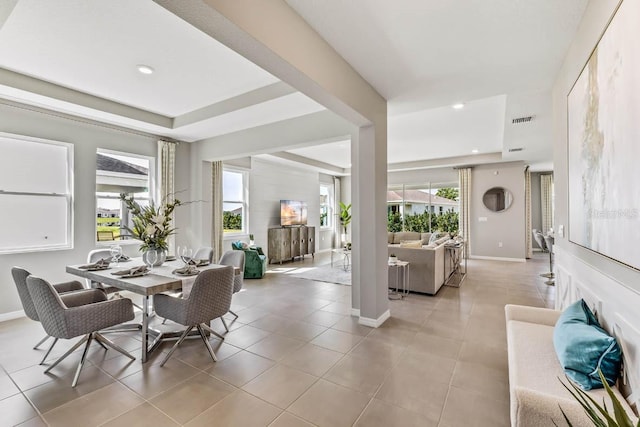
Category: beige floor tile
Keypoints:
(377, 351)
(94, 408)
(245, 336)
(381, 414)
(361, 375)
(154, 379)
(302, 330)
(33, 422)
(328, 404)
(240, 368)
(415, 393)
(144, 415)
(338, 308)
(481, 379)
(16, 409)
(436, 368)
(483, 354)
(7, 387)
(59, 391)
(120, 366)
(312, 359)
(190, 398)
(336, 340)
(438, 346)
(271, 323)
(467, 408)
(400, 337)
(237, 409)
(194, 352)
(323, 318)
(280, 385)
(275, 346)
(350, 324)
(288, 420)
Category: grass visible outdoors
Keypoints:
(113, 228)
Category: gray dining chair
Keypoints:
(549, 240)
(95, 256)
(72, 293)
(235, 259)
(205, 252)
(62, 321)
(210, 298)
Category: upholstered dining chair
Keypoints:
(72, 293)
(235, 259)
(210, 298)
(95, 256)
(539, 238)
(205, 252)
(61, 321)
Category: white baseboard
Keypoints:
(11, 315)
(496, 258)
(375, 323)
(355, 312)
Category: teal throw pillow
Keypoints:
(583, 347)
(236, 245)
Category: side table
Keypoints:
(346, 257)
(455, 254)
(402, 269)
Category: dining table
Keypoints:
(159, 279)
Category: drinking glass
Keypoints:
(150, 258)
(186, 254)
(116, 253)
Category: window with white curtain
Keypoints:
(234, 201)
(36, 194)
(117, 173)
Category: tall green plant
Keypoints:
(599, 415)
(345, 216)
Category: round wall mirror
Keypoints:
(497, 199)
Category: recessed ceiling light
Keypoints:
(458, 106)
(475, 151)
(144, 69)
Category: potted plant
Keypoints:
(345, 219)
(151, 225)
(251, 241)
(393, 259)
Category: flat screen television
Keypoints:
(293, 212)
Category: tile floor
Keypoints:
(295, 358)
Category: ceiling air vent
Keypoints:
(519, 120)
(515, 150)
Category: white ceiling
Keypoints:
(499, 57)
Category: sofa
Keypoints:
(255, 261)
(428, 263)
(536, 393)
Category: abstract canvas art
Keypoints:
(604, 143)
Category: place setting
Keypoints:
(190, 264)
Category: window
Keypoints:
(119, 173)
(325, 206)
(234, 201)
(36, 192)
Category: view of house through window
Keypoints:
(118, 173)
(234, 201)
(423, 208)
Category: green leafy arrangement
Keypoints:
(151, 224)
(345, 215)
(599, 415)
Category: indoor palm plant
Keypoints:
(151, 225)
(345, 219)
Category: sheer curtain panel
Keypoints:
(464, 221)
(166, 180)
(217, 230)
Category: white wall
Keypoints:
(86, 138)
(506, 227)
(613, 288)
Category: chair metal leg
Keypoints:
(102, 345)
(71, 350)
(233, 313)
(46, 337)
(226, 328)
(182, 337)
(102, 341)
(211, 331)
(206, 343)
(55, 340)
(82, 360)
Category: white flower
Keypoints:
(150, 230)
(158, 220)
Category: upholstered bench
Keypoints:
(535, 373)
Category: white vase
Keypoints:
(161, 256)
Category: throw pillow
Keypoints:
(411, 244)
(583, 347)
(433, 237)
(236, 245)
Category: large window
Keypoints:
(36, 192)
(118, 173)
(234, 201)
(325, 206)
(423, 208)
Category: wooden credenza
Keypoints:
(288, 243)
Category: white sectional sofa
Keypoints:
(535, 373)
